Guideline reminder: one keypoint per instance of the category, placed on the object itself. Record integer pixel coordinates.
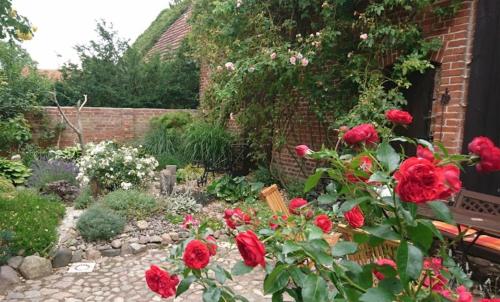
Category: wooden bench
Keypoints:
(365, 254)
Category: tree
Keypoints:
(12, 25)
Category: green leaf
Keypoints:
(431, 227)
(383, 231)
(377, 294)
(313, 180)
(344, 248)
(327, 199)
(314, 233)
(421, 235)
(349, 204)
(290, 247)
(184, 285)
(314, 289)
(391, 284)
(298, 276)
(409, 262)
(220, 275)
(277, 280)
(211, 294)
(277, 297)
(388, 156)
(240, 269)
(441, 210)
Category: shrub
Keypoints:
(114, 167)
(33, 219)
(100, 223)
(6, 185)
(67, 154)
(172, 120)
(14, 171)
(85, 199)
(188, 173)
(235, 189)
(14, 132)
(130, 203)
(181, 203)
(46, 171)
(263, 174)
(207, 144)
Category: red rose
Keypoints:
(450, 179)
(490, 161)
(418, 180)
(490, 300)
(423, 152)
(275, 221)
(211, 244)
(365, 165)
(436, 281)
(355, 217)
(236, 217)
(480, 144)
(382, 262)
(296, 204)
(196, 255)
(251, 249)
(323, 222)
(463, 294)
(364, 133)
(302, 150)
(399, 117)
(160, 282)
(189, 221)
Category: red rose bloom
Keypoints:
(463, 294)
(251, 249)
(275, 221)
(382, 262)
(323, 222)
(364, 133)
(160, 282)
(423, 152)
(211, 244)
(365, 165)
(399, 117)
(418, 180)
(189, 221)
(296, 204)
(479, 144)
(450, 179)
(355, 217)
(196, 255)
(236, 217)
(302, 150)
(437, 281)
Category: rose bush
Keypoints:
(114, 167)
(298, 256)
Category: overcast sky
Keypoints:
(64, 23)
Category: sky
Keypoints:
(62, 24)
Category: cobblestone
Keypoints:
(122, 279)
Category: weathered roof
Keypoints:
(171, 39)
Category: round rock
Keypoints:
(35, 267)
(142, 224)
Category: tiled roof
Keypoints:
(53, 75)
(173, 36)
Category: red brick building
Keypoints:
(457, 100)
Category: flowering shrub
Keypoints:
(302, 254)
(114, 167)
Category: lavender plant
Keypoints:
(45, 171)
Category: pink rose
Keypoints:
(302, 150)
(293, 60)
(273, 56)
(363, 36)
(304, 62)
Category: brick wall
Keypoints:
(99, 123)
(452, 73)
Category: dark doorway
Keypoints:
(483, 104)
(419, 97)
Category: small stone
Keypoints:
(73, 248)
(142, 224)
(8, 276)
(153, 246)
(62, 257)
(111, 253)
(137, 248)
(15, 262)
(132, 240)
(166, 239)
(92, 254)
(128, 229)
(116, 244)
(103, 247)
(174, 236)
(155, 239)
(143, 239)
(77, 256)
(35, 267)
(126, 249)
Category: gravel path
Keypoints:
(122, 279)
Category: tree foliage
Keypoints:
(13, 26)
(113, 74)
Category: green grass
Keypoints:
(33, 220)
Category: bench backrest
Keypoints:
(486, 205)
(274, 200)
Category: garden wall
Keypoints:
(100, 123)
(452, 73)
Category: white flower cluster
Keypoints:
(115, 167)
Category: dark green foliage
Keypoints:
(12, 25)
(32, 219)
(14, 171)
(264, 175)
(85, 199)
(6, 250)
(115, 75)
(6, 185)
(235, 189)
(45, 171)
(130, 203)
(207, 144)
(100, 223)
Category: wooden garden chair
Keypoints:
(365, 254)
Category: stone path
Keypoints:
(122, 279)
